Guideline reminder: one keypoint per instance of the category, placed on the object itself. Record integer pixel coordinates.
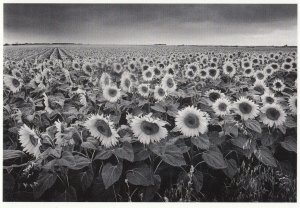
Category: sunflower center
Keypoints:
(272, 114)
(278, 84)
(191, 121)
(274, 66)
(287, 66)
(88, 68)
(145, 89)
(269, 71)
(203, 73)
(191, 73)
(229, 69)
(222, 106)
(18, 74)
(269, 100)
(246, 64)
(15, 82)
(260, 76)
(112, 92)
(193, 68)
(33, 140)
(76, 65)
(245, 108)
(149, 128)
(148, 74)
(198, 87)
(214, 96)
(212, 72)
(118, 67)
(259, 89)
(103, 128)
(156, 71)
(248, 71)
(170, 83)
(161, 92)
(127, 83)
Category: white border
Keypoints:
(138, 204)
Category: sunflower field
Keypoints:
(149, 123)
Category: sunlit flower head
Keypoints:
(29, 140)
(213, 73)
(144, 90)
(111, 93)
(159, 93)
(190, 74)
(260, 87)
(246, 108)
(16, 73)
(268, 98)
(148, 74)
(213, 95)
(103, 129)
(273, 115)
(260, 75)
(229, 69)
(191, 121)
(222, 106)
(76, 65)
(118, 68)
(293, 104)
(87, 68)
(148, 130)
(248, 72)
(203, 74)
(12, 83)
(126, 83)
(168, 83)
(278, 85)
(287, 66)
(105, 80)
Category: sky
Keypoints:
(172, 24)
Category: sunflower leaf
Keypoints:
(111, 173)
(140, 176)
(11, 154)
(214, 158)
(45, 181)
(253, 125)
(125, 152)
(265, 155)
(201, 141)
(290, 144)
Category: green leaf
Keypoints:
(265, 155)
(111, 173)
(241, 142)
(231, 169)
(12, 154)
(45, 181)
(290, 144)
(88, 145)
(140, 176)
(201, 141)
(159, 108)
(69, 195)
(253, 125)
(214, 158)
(140, 152)
(290, 122)
(103, 154)
(67, 160)
(125, 152)
(86, 178)
(80, 162)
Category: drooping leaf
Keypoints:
(44, 182)
(12, 154)
(125, 152)
(111, 173)
(253, 125)
(140, 175)
(86, 178)
(290, 144)
(80, 162)
(201, 141)
(231, 169)
(214, 158)
(103, 154)
(265, 155)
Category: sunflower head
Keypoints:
(273, 114)
(246, 108)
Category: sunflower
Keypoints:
(132, 66)
(118, 68)
(260, 87)
(229, 69)
(268, 70)
(293, 104)
(111, 93)
(157, 72)
(29, 140)
(203, 74)
(62, 135)
(221, 106)
(76, 65)
(12, 83)
(190, 74)
(246, 108)
(144, 90)
(102, 128)
(287, 66)
(159, 93)
(126, 83)
(148, 74)
(246, 64)
(87, 68)
(260, 75)
(278, 85)
(268, 98)
(191, 121)
(248, 72)
(148, 129)
(213, 95)
(105, 80)
(168, 83)
(273, 114)
(16, 73)
(213, 73)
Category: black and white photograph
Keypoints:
(144, 102)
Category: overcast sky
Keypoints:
(201, 24)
